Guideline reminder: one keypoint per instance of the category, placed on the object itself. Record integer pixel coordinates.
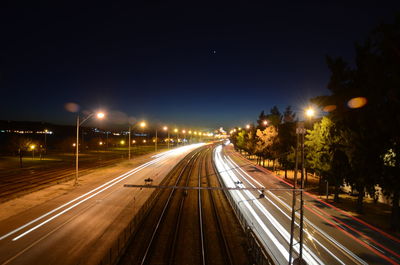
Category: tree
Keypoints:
(274, 117)
(265, 142)
(19, 145)
(286, 138)
(325, 153)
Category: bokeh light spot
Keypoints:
(71, 107)
(356, 103)
(329, 108)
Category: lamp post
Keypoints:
(45, 141)
(33, 151)
(155, 142)
(177, 136)
(99, 115)
(165, 128)
(184, 137)
(129, 144)
(300, 132)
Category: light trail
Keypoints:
(368, 244)
(107, 185)
(309, 256)
(236, 167)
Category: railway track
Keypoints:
(188, 227)
(16, 185)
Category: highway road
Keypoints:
(79, 227)
(330, 237)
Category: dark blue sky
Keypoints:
(192, 65)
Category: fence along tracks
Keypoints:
(185, 227)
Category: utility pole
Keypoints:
(129, 144)
(155, 142)
(300, 132)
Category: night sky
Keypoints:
(199, 66)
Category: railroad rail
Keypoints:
(186, 227)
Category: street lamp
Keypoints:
(248, 126)
(99, 115)
(165, 128)
(45, 141)
(177, 135)
(33, 151)
(265, 123)
(300, 132)
(310, 112)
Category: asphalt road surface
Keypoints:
(80, 226)
(330, 237)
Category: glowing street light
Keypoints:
(248, 126)
(45, 140)
(265, 123)
(143, 124)
(99, 115)
(32, 147)
(310, 112)
(122, 142)
(165, 128)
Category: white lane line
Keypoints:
(131, 172)
(340, 246)
(78, 198)
(229, 182)
(309, 256)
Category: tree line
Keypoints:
(357, 141)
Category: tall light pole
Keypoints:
(99, 115)
(177, 135)
(184, 136)
(300, 132)
(165, 128)
(45, 140)
(33, 151)
(155, 142)
(129, 144)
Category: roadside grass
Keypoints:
(11, 164)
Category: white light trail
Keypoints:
(309, 256)
(329, 238)
(101, 188)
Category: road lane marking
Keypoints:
(309, 256)
(115, 180)
(344, 249)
